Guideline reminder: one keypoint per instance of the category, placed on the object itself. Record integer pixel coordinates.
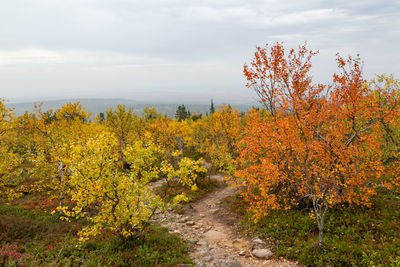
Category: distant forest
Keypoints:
(96, 106)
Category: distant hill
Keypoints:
(95, 106)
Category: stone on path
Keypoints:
(190, 223)
(213, 251)
(203, 252)
(183, 219)
(231, 262)
(240, 244)
(214, 236)
(257, 243)
(198, 264)
(208, 258)
(192, 241)
(262, 253)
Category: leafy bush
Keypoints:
(174, 189)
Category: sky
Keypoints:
(180, 50)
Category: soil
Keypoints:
(213, 231)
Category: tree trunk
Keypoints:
(320, 236)
(61, 180)
(213, 161)
(180, 143)
(320, 211)
(211, 167)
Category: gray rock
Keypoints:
(262, 253)
(183, 219)
(213, 251)
(198, 263)
(257, 243)
(203, 252)
(190, 223)
(231, 262)
(192, 241)
(208, 258)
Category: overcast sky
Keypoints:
(179, 50)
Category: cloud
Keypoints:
(75, 57)
(132, 47)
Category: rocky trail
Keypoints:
(212, 229)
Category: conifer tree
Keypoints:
(181, 113)
(212, 108)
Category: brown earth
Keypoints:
(213, 231)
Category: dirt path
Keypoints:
(212, 229)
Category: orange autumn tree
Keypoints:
(314, 144)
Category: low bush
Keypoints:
(157, 248)
(355, 236)
(40, 239)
